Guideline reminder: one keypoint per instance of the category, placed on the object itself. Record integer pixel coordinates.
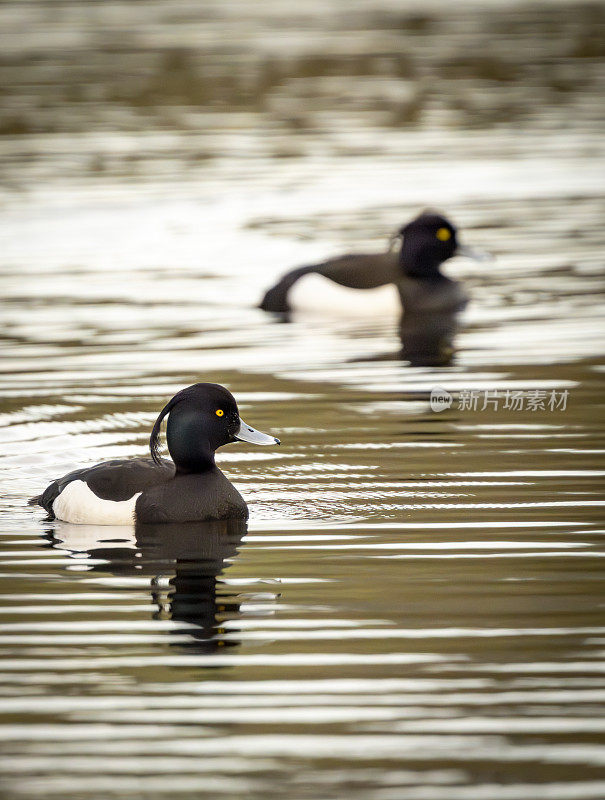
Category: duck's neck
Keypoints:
(194, 467)
(422, 269)
(191, 457)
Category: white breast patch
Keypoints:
(79, 504)
(315, 292)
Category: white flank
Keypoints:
(79, 504)
(315, 292)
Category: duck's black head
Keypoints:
(427, 242)
(201, 419)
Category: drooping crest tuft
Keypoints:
(154, 439)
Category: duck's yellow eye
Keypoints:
(443, 234)
(219, 412)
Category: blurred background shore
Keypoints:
(116, 88)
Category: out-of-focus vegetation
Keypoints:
(73, 66)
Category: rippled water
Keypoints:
(415, 608)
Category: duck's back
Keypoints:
(103, 494)
(304, 287)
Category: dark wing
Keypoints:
(110, 480)
(357, 271)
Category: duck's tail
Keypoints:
(276, 298)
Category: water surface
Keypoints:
(415, 608)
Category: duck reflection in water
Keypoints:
(427, 340)
(183, 562)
